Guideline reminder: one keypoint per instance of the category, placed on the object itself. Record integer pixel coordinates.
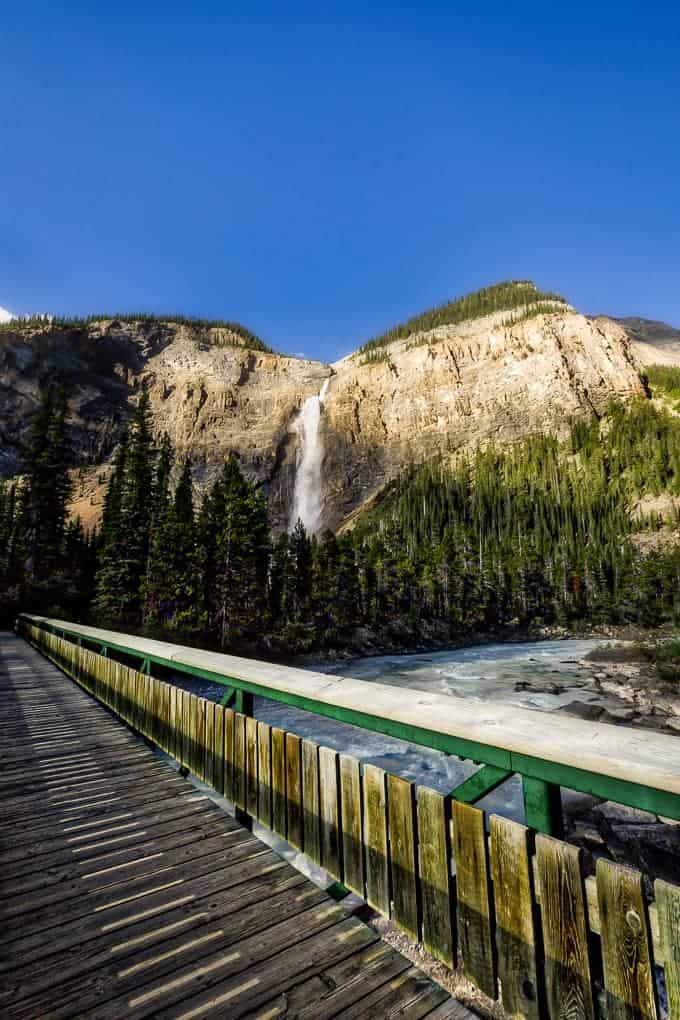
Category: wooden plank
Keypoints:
(279, 781)
(294, 790)
(472, 894)
(251, 766)
(229, 771)
(152, 688)
(668, 906)
(310, 800)
(401, 811)
(264, 774)
(626, 952)
(187, 723)
(375, 839)
(218, 749)
(352, 841)
(435, 875)
(565, 937)
(329, 812)
(514, 905)
(199, 737)
(209, 766)
(593, 912)
(239, 778)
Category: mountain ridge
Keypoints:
(495, 378)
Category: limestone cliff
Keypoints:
(449, 388)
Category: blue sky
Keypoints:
(320, 173)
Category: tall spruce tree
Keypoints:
(48, 458)
(127, 526)
(235, 557)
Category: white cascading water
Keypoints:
(307, 497)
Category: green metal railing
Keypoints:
(648, 789)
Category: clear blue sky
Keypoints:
(320, 173)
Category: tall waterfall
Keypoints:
(307, 497)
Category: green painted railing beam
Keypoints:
(486, 780)
(549, 773)
(543, 806)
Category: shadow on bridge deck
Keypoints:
(128, 892)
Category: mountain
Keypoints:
(504, 363)
(653, 343)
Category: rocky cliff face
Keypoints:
(448, 389)
(653, 343)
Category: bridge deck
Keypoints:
(127, 892)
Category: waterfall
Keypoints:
(307, 497)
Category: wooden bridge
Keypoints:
(128, 892)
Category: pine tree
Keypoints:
(48, 458)
(127, 526)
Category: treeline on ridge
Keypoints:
(248, 338)
(504, 296)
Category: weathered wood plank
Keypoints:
(264, 774)
(472, 894)
(375, 839)
(218, 749)
(239, 776)
(435, 875)
(209, 762)
(294, 790)
(279, 781)
(401, 811)
(229, 753)
(329, 810)
(187, 724)
(626, 957)
(352, 842)
(310, 800)
(565, 937)
(668, 906)
(514, 904)
(251, 766)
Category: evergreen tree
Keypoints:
(127, 526)
(235, 558)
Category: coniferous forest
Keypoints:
(542, 533)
